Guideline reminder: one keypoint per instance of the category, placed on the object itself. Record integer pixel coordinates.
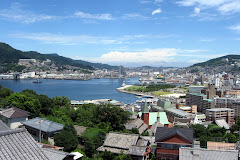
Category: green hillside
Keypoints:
(218, 61)
(10, 56)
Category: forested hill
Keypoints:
(219, 61)
(9, 55)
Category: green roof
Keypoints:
(145, 108)
(209, 100)
(153, 117)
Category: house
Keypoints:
(169, 140)
(19, 144)
(3, 126)
(47, 128)
(137, 123)
(186, 153)
(131, 144)
(150, 118)
(13, 117)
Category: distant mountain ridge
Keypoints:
(10, 55)
(218, 61)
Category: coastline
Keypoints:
(121, 89)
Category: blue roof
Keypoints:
(46, 125)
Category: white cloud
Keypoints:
(148, 56)
(207, 40)
(87, 39)
(223, 6)
(105, 16)
(17, 14)
(145, 1)
(158, 1)
(204, 3)
(229, 8)
(235, 28)
(65, 39)
(156, 11)
(135, 16)
(197, 10)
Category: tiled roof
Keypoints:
(163, 133)
(14, 113)
(46, 125)
(120, 140)
(18, 144)
(142, 128)
(53, 154)
(207, 154)
(125, 143)
(3, 126)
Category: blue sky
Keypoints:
(124, 32)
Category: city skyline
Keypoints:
(174, 33)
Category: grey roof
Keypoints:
(152, 130)
(120, 140)
(164, 133)
(18, 144)
(126, 143)
(53, 154)
(137, 123)
(182, 120)
(207, 154)
(142, 128)
(222, 123)
(14, 113)
(137, 150)
(79, 129)
(3, 126)
(46, 125)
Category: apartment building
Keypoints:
(195, 99)
(220, 113)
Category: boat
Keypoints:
(37, 81)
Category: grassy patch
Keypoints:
(161, 93)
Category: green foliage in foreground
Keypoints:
(99, 119)
(67, 138)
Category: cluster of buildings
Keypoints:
(20, 137)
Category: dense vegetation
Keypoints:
(217, 61)
(214, 133)
(99, 119)
(149, 88)
(10, 56)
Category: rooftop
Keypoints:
(14, 113)
(219, 109)
(19, 144)
(43, 124)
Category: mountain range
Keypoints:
(9, 55)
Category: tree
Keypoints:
(67, 139)
(5, 92)
(61, 101)
(122, 156)
(198, 130)
(135, 131)
(230, 138)
(106, 155)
